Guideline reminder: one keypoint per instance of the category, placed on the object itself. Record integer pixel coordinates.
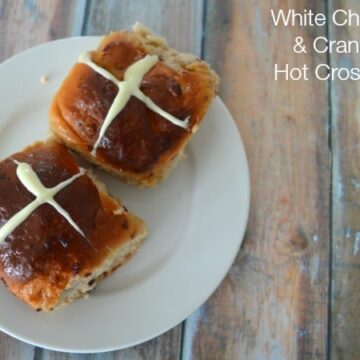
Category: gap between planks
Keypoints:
(330, 121)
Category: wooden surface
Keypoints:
(273, 304)
(294, 289)
(345, 289)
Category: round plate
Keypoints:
(196, 220)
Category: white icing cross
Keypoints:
(30, 180)
(128, 87)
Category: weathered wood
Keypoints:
(181, 23)
(14, 349)
(345, 332)
(165, 347)
(24, 24)
(273, 303)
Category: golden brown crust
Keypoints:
(43, 255)
(139, 146)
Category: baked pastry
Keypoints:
(60, 231)
(132, 105)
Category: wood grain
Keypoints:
(345, 334)
(24, 24)
(273, 303)
(180, 21)
(165, 347)
(14, 349)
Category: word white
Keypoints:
(44, 195)
(293, 18)
(130, 86)
(307, 17)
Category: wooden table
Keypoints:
(294, 289)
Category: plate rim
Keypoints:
(242, 225)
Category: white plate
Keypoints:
(196, 219)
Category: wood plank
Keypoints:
(345, 293)
(181, 23)
(24, 24)
(165, 347)
(273, 303)
(14, 349)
